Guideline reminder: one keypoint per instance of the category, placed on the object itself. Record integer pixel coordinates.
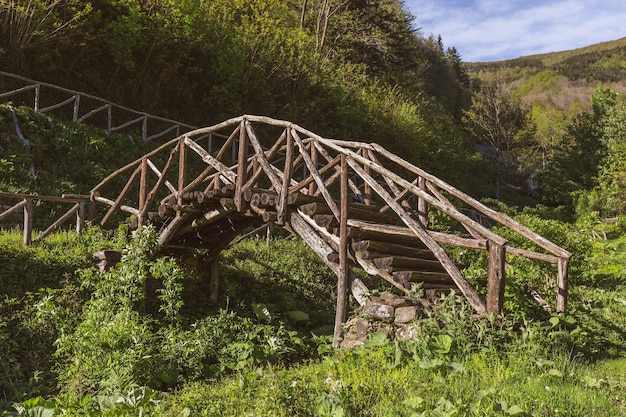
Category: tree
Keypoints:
(26, 24)
(498, 118)
(576, 162)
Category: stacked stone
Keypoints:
(388, 313)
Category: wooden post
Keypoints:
(367, 191)
(284, 192)
(80, 217)
(143, 191)
(76, 107)
(36, 105)
(91, 211)
(242, 167)
(182, 160)
(561, 297)
(28, 222)
(422, 207)
(144, 128)
(214, 279)
(109, 119)
(342, 278)
(495, 283)
(314, 160)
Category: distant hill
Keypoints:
(564, 80)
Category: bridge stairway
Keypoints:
(211, 221)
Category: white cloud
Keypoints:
(488, 30)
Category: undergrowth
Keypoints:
(143, 339)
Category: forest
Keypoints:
(540, 138)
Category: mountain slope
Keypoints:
(565, 79)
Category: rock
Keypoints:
(406, 332)
(394, 300)
(358, 329)
(108, 255)
(350, 343)
(106, 259)
(379, 311)
(404, 315)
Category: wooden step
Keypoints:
(395, 263)
(355, 211)
(404, 277)
(391, 249)
(381, 235)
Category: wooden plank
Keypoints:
(28, 222)
(405, 277)
(268, 155)
(475, 234)
(66, 198)
(17, 91)
(133, 164)
(284, 191)
(355, 211)
(561, 298)
(242, 167)
(532, 255)
(466, 289)
(225, 171)
(403, 262)
(318, 178)
(260, 155)
(58, 105)
(499, 217)
(313, 150)
(422, 206)
(59, 221)
(402, 183)
(80, 217)
(182, 166)
(404, 235)
(495, 283)
(355, 189)
(161, 180)
(393, 249)
(118, 201)
(13, 209)
(342, 276)
(143, 191)
(308, 182)
(168, 234)
(166, 169)
(310, 237)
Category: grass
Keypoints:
(525, 369)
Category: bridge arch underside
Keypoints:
(355, 204)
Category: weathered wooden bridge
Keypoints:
(355, 204)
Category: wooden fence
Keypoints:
(117, 118)
(82, 208)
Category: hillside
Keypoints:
(564, 80)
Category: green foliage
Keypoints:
(499, 119)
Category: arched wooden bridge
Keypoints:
(355, 204)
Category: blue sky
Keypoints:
(491, 30)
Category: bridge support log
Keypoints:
(495, 283)
(342, 275)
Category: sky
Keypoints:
(492, 30)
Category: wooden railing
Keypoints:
(80, 204)
(300, 165)
(117, 118)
